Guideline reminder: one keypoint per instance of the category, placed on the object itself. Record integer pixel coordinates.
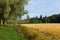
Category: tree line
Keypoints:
(50, 19)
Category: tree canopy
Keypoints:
(11, 9)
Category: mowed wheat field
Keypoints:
(55, 28)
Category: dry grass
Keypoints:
(40, 31)
(44, 27)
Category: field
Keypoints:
(30, 32)
(42, 31)
(44, 27)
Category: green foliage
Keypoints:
(50, 19)
(9, 33)
(28, 18)
(11, 9)
(34, 20)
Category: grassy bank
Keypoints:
(8, 32)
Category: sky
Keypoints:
(42, 7)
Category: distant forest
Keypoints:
(50, 19)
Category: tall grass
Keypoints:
(36, 34)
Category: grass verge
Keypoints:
(8, 32)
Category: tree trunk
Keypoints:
(4, 22)
(1, 22)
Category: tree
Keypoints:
(34, 20)
(28, 18)
(11, 9)
(40, 19)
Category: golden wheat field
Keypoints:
(46, 31)
(44, 27)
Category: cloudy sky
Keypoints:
(42, 7)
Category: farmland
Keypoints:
(44, 27)
(30, 32)
(42, 31)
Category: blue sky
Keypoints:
(44, 7)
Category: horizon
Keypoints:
(42, 7)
